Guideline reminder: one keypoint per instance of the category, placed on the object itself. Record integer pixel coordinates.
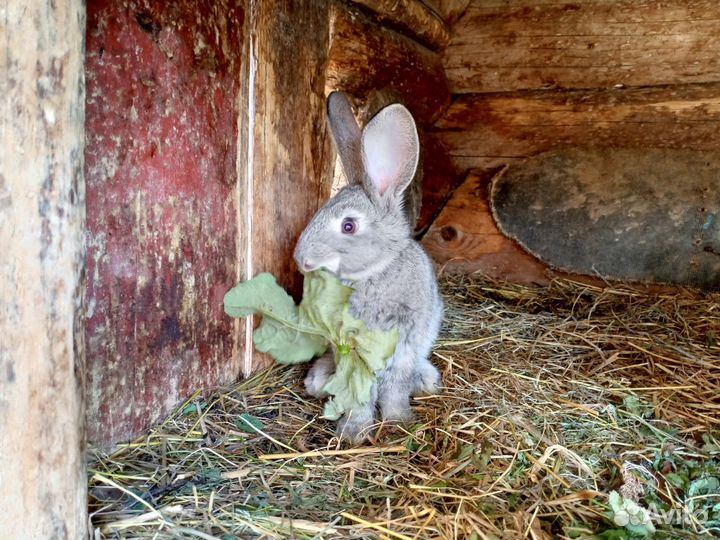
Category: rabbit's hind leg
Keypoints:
(426, 380)
(358, 424)
(396, 384)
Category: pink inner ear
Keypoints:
(383, 183)
(390, 149)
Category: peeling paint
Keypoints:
(161, 123)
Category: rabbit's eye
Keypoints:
(348, 226)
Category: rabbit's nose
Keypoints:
(306, 265)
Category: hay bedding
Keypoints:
(553, 398)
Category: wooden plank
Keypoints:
(465, 239)
(42, 213)
(479, 129)
(412, 18)
(528, 44)
(162, 129)
(291, 160)
(451, 10)
(364, 57)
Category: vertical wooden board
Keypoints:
(502, 46)
(42, 214)
(292, 162)
(162, 110)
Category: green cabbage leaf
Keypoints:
(292, 334)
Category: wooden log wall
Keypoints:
(42, 217)
(529, 76)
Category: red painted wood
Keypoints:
(161, 120)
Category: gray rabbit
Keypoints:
(362, 235)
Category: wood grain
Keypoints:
(42, 217)
(464, 237)
(292, 159)
(450, 10)
(479, 130)
(502, 46)
(364, 57)
(413, 18)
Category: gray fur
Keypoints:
(393, 279)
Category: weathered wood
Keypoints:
(42, 214)
(291, 160)
(364, 56)
(440, 179)
(646, 215)
(451, 10)
(162, 128)
(529, 44)
(464, 237)
(478, 130)
(412, 18)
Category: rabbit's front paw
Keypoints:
(356, 428)
(317, 377)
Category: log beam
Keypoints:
(364, 57)
(501, 46)
(412, 18)
(487, 130)
(42, 212)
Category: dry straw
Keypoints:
(553, 398)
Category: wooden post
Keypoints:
(288, 152)
(42, 201)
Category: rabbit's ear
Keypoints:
(346, 134)
(390, 150)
